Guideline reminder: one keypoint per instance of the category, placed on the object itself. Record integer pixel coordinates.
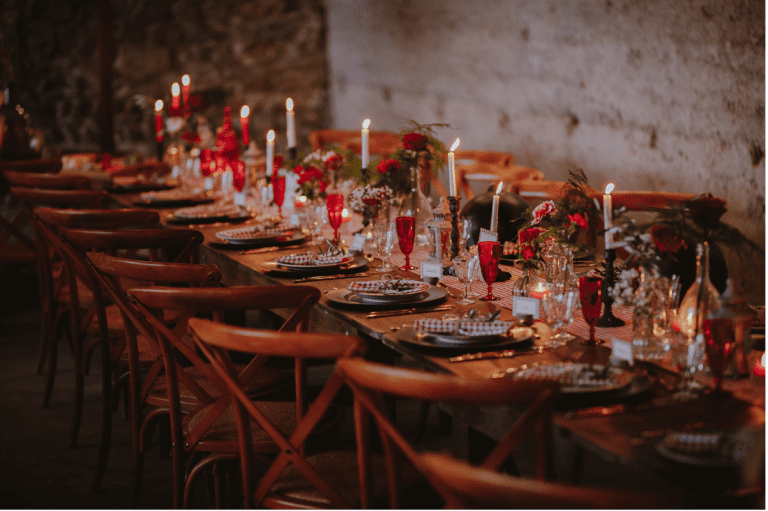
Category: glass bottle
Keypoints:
(700, 299)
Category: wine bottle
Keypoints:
(701, 298)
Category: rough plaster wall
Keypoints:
(255, 52)
(652, 95)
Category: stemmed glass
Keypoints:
(385, 235)
(590, 293)
(405, 235)
(279, 193)
(720, 345)
(463, 267)
(556, 305)
(335, 204)
(490, 254)
(687, 355)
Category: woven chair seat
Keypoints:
(224, 429)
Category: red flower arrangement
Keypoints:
(388, 166)
(415, 141)
(529, 241)
(667, 239)
(542, 210)
(577, 219)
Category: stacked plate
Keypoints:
(259, 235)
(313, 260)
(210, 213)
(173, 197)
(576, 378)
(388, 291)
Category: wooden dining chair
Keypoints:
(211, 428)
(371, 383)
(380, 143)
(469, 487)
(296, 478)
(490, 174)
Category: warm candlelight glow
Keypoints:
(175, 90)
(185, 80)
(759, 369)
(366, 123)
(289, 104)
(303, 199)
(158, 105)
(271, 136)
(498, 188)
(609, 188)
(344, 213)
(455, 145)
(452, 189)
(608, 215)
(245, 111)
(540, 291)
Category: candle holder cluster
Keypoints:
(608, 319)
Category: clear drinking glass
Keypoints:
(687, 355)
(557, 305)
(385, 236)
(464, 268)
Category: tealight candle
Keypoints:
(759, 369)
(452, 170)
(159, 120)
(270, 152)
(290, 124)
(175, 98)
(540, 291)
(244, 113)
(185, 87)
(608, 215)
(495, 209)
(364, 136)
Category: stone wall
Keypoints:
(238, 52)
(656, 95)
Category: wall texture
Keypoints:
(655, 95)
(237, 52)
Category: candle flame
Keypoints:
(366, 123)
(455, 145)
(175, 89)
(271, 136)
(498, 191)
(185, 80)
(289, 104)
(609, 188)
(158, 105)
(245, 111)
(344, 213)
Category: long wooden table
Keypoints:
(615, 439)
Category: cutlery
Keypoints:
(447, 289)
(603, 411)
(658, 433)
(498, 354)
(261, 250)
(331, 277)
(401, 312)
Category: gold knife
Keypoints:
(497, 354)
(402, 312)
(603, 411)
(331, 277)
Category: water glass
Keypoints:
(385, 236)
(464, 268)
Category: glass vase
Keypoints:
(700, 299)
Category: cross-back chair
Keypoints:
(211, 428)
(371, 383)
(380, 143)
(97, 317)
(490, 173)
(294, 478)
(468, 487)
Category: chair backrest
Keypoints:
(181, 245)
(372, 382)
(491, 173)
(472, 156)
(469, 487)
(146, 168)
(39, 166)
(381, 143)
(31, 197)
(643, 201)
(215, 340)
(98, 219)
(47, 181)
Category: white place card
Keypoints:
(523, 305)
(238, 198)
(358, 243)
(431, 270)
(294, 220)
(486, 235)
(623, 350)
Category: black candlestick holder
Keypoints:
(453, 207)
(160, 151)
(292, 153)
(608, 319)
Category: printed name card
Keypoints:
(238, 198)
(523, 305)
(431, 270)
(623, 350)
(358, 243)
(486, 235)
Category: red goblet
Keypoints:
(489, 253)
(206, 158)
(590, 293)
(278, 189)
(405, 234)
(335, 204)
(720, 346)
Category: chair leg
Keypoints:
(138, 455)
(77, 412)
(44, 340)
(51, 374)
(148, 428)
(120, 387)
(106, 418)
(213, 459)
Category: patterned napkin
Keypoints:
(208, 210)
(482, 328)
(375, 286)
(435, 326)
(312, 259)
(568, 374)
(298, 259)
(251, 232)
(697, 444)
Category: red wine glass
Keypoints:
(405, 234)
(335, 204)
(591, 293)
(720, 346)
(489, 253)
(278, 185)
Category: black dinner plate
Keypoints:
(349, 300)
(290, 238)
(208, 219)
(358, 263)
(171, 202)
(432, 343)
(142, 187)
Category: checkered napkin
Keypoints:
(569, 375)
(509, 248)
(299, 259)
(251, 232)
(374, 286)
(321, 260)
(482, 328)
(207, 210)
(435, 326)
(706, 444)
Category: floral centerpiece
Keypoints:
(316, 172)
(368, 200)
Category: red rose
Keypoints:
(388, 166)
(708, 208)
(530, 234)
(370, 202)
(322, 185)
(298, 169)
(528, 253)
(542, 210)
(414, 141)
(667, 239)
(277, 162)
(578, 220)
(335, 162)
(314, 172)
(193, 138)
